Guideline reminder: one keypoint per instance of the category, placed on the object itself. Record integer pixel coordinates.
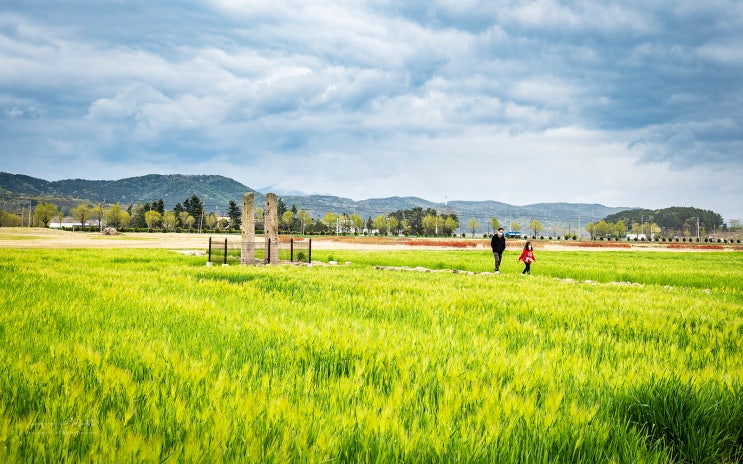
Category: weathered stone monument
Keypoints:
(271, 227)
(247, 251)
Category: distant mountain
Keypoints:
(281, 192)
(215, 192)
(12, 184)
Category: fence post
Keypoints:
(225, 252)
(291, 249)
(309, 253)
(267, 252)
(209, 259)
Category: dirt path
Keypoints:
(21, 237)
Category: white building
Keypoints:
(68, 222)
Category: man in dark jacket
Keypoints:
(498, 244)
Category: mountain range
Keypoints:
(215, 192)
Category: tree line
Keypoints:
(151, 215)
(677, 220)
(412, 222)
(191, 215)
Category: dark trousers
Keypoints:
(527, 269)
(497, 257)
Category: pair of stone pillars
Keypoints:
(270, 226)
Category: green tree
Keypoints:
(44, 213)
(8, 219)
(358, 222)
(330, 220)
(620, 229)
(82, 213)
(211, 221)
(195, 208)
(138, 221)
(169, 220)
(304, 219)
(536, 227)
(235, 214)
(344, 220)
(287, 219)
(100, 214)
(430, 223)
(379, 223)
(151, 218)
(591, 229)
(415, 217)
(403, 227)
(117, 217)
(473, 225)
(392, 224)
(450, 225)
(177, 210)
(602, 228)
(280, 207)
(494, 223)
(186, 219)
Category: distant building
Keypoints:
(68, 222)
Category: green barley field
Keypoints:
(151, 356)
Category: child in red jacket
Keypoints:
(527, 256)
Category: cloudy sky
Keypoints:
(630, 103)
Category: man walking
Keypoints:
(498, 244)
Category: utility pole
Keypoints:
(697, 228)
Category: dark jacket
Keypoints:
(498, 244)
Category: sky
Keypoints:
(630, 103)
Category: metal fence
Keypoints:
(228, 251)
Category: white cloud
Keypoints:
(622, 103)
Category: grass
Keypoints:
(719, 270)
(150, 356)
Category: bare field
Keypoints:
(20, 237)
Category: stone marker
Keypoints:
(247, 251)
(271, 225)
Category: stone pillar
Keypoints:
(271, 226)
(247, 251)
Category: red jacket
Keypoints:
(527, 255)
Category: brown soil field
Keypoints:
(22, 237)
